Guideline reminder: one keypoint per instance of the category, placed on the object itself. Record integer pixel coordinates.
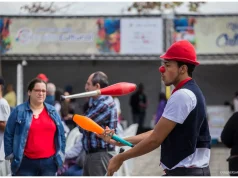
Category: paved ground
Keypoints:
(148, 165)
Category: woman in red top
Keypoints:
(39, 129)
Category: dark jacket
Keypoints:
(229, 135)
(135, 101)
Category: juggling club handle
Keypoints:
(118, 139)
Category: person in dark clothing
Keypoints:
(138, 104)
(229, 137)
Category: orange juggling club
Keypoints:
(89, 125)
(118, 89)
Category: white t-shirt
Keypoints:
(4, 114)
(178, 112)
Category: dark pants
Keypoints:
(139, 118)
(188, 172)
(233, 166)
(95, 164)
(37, 167)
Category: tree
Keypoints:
(146, 7)
(39, 7)
(140, 7)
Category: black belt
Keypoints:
(95, 150)
(182, 171)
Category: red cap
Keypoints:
(182, 51)
(42, 77)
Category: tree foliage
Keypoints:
(140, 7)
(39, 7)
(146, 7)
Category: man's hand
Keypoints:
(107, 136)
(114, 164)
(108, 133)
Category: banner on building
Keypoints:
(142, 36)
(209, 35)
(52, 36)
(81, 36)
(5, 39)
(108, 36)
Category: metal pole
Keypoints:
(168, 32)
(1, 53)
(162, 86)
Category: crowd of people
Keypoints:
(39, 138)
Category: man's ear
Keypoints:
(184, 68)
(98, 86)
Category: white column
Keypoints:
(19, 84)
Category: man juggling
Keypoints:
(182, 131)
